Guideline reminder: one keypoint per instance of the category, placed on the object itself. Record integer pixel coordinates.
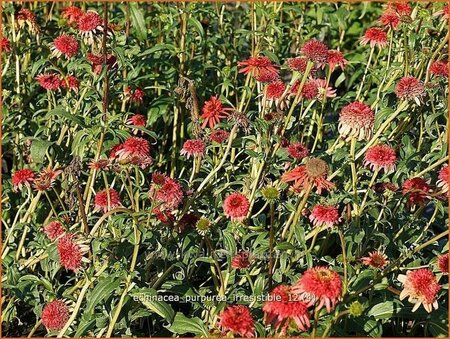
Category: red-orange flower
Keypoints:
(241, 260)
(375, 37)
(325, 215)
(443, 263)
(107, 200)
(443, 179)
(6, 45)
(375, 259)
(23, 177)
(193, 147)
(390, 18)
(356, 120)
(421, 288)
(297, 150)
(283, 307)
(65, 45)
(410, 88)
(313, 173)
(213, 111)
(258, 66)
(71, 14)
(381, 156)
(135, 151)
(315, 51)
(70, 253)
(417, 190)
(54, 229)
(319, 284)
(275, 89)
(55, 315)
(166, 191)
(336, 58)
(219, 135)
(440, 68)
(236, 206)
(238, 320)
(50, 82)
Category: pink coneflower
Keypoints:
(421, 288)
(165, 216)
(50, 82)
(375, 259)
(325, 215)
(297, 64)
(315, 51)
(238, 320)
(324, 89)
(54, 229)
(319, 284)
(241, 260)
(442, 263)
(336, 58)
(193, 147)
(219, 135)
(6, 45)
(71, 14)
(137, 120)
(266, 77)
(309, 91)
(70, 253)
(46, 179)
(136, 96)
(381, 156)
(107, 200)
(439, 68)
(65, 45)
(417, 190)
(402, 8)
(275, 89)
(313, 173)
(375, 37)
(297, 150)
(100, 164)
(213, 111)
(390, 18)
(284, 308)
(410, 88)
(167, 191)
(114, 150)
(236, 206)
(356, 121)
(135, 151)
(443, 179)
(71, 83)
(26, 16)
(23, 177)
(55, 315)
(258, 67)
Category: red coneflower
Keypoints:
(65, 45)
(26, 16)
(23, 177)
(50, 82)
(136, 96)
(390, 18)
(374, 37)
(443, 179)
(336, 58)
(297, 150)
(443, 263)
(310, 89)
(324, 90)
(107, 200)
(6, 45)
(70, 253)
(241, 260)
(439, 68)
(114, 150)
(54, 229)
(55, 315)
(375, 259)
(356, 120)
(213, 111)
(71, 83)
(219, 135)
(238, 320)
(97, 62)
(90, 24)
(135, 151)
(258, 66)
(421, 288)
(410, 88)
(319, 284)
(236, 206)
(402, 8)
(46, 179)
(137, 120)
(164, 216)
(100, 164)
(313, 173)
(381, 156)
(327, 215)
(315, 51)
(193, 147)
(166, 191)
(71, 14)
(297, 64)
(275, 89)
(417, 191)
(283, 308)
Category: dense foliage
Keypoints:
(224, 169)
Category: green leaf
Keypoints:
(183, 325)
(104, 289)
(159, 307)
(138, 21)
(38, 149)
(61, 112)
(384, 310)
